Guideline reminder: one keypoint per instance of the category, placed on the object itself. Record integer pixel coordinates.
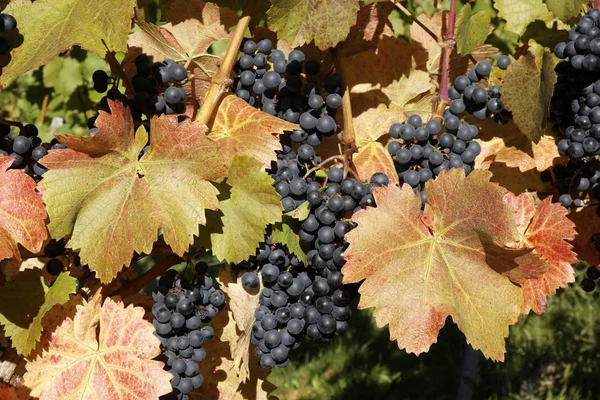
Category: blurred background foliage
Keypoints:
(549, 357)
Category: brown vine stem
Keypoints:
(447, 52)
(219, 81)
(44, 108)
(134, 286)
(346, 104)
(11, 123)
(322, 164)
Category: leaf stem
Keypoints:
(447, 52)
(221, 78)
(44, 108)
(134, 286)
(322, 164)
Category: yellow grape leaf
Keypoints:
(49, 27)
(22, 213)
(242, 129)
(252, 206)
(302, 21)
(112, 201)
(285, 234)
(373, 158)
(238, 331)
(545, 228)
(373, 20)
(527, 90)
(418, 270)
(565, 10)
(101, 353)
(471, 29)
(520, 13)
(25, 300)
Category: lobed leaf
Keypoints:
(520, 13)
(471, 29)
(565, 10)
(102, 352)
(80, 22)
(22, 212)
(112, 201)
(418, 270)
(252, 206)
(25, 300)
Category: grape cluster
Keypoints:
(422, 151)
(466, 96)
(8, 24)
(588, 284)
(26, 148)
(272, 83)
(583, 48)
(53, 249)
(179, 313)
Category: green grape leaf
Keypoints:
(327, 22)
(63, 75)
(285, 233)
(253, 205)
(565, 10)
(25, 300)
(300, 213)
(520, 13)
(527, 90)
(471, 29)
(112, 201)
(49, 27)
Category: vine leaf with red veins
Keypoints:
(23, 324)
(83, 22)
(546, 229)
(102, 352)
(242, 129)
(22, 212)
(418, 270)
(113, 202)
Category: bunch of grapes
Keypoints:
(26, 148)
(583, 48)
(180, 313)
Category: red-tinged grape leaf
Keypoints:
(373, 158)
(527, 90)
(80, 22)
(546, 229)
(102, 352)
(242, 129)
(238, 331)
(380, 76)
(586, 224)
(471, 29)
(373, 22)
(7, 392)
(25, 300)
(112, 202)
(286, 233)
(252, 205)
(520, 13)
(418, 270)
(327, 22)
(507, 144)
(22, 212)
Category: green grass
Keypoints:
(549, 357)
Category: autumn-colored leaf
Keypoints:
(25, 300)
(373, 158)
(565, 10)
(238, 331)
(112, 201)
(242, 129)
(520, 13)
(7, 392)
(471, 29)
(252, 206)
(528, 88)
(373, 21)
(302, 21)
(546, 229)
(81, 22)
(22, 212)
(102, 352)
(286, 233)
(418, 270)
(586, 224)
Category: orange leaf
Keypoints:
(242, 129)
(102, 353)
(112, 202)
(7, 392)
(418, 270)
(545, 229)
(22, 212)
(586, 224)
(373, 158)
